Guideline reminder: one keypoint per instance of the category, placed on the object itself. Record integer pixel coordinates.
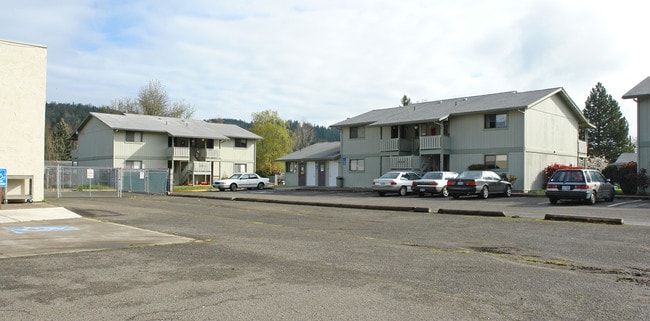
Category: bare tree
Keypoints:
(304, 135)
(153, 100)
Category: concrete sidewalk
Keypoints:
(35, 214)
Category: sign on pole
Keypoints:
(3, 177)
(90, 173)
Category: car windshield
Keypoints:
(432, 175)
(235, 176)
(390, 175)
(470, 175)
(568, 176)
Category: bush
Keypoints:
(612, 173)
(642, 181)
(628, 177)
(476, 167)
(551, 169)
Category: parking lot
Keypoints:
(261, 255)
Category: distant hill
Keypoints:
(73, 114)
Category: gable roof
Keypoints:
(175, 127)
(443, 109)
(625, 158)
(642, 89)
(318, 151)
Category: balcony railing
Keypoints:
(404, 162)
(209, 154)
(434, 142)
(178, 153)
(395, 145)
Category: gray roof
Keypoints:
(442, 109)
(318, 151)
(625, 158)
(175, 127)
(640, 90)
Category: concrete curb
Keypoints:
(586, 219)
(320, 204)
(473, 213)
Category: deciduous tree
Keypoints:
(276, 142)
(153, 100)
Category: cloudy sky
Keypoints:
(323, 61)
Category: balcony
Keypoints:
(434, 142)
(178, 153)
(395, 145)
(208, 154)
(404, 162)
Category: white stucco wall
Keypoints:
(22, 109)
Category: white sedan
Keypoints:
(242, 180)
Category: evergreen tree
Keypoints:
(60, 146)
(610, 138)
(406, 101)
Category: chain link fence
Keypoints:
(76, 181)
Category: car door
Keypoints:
(245, 181)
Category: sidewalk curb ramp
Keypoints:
(320, 204)
(586, 219)
(471, 212)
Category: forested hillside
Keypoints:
(62, 118)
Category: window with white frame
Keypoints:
(496, 161)
(356, 165)
(240, 168)
(133, 164)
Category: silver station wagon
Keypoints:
(587, 185)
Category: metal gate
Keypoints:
(77, 181)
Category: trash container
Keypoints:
(339, 181)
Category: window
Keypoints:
(291, 167)
(133, 136)
(131, 164)
(240, 168)
(357, 132)
(240, 142)
(496, 161)
(356, 165)
(496, 121)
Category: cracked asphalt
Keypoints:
(257, 260)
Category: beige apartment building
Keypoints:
(22, 110)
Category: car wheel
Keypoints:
(381, 193)
(402, 191)
(508, 191)
(612, 195)
(444, 192)
(553, 200)
(592, 198)
(233, 187)
(260, 186)
(484, 193)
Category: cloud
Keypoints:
(325, 61)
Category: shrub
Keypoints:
(628, 177)
(642, 181)
(476, 167)
(551, 169)
(612, 173)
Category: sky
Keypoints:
(323, 61)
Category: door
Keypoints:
(322, 176)
(302, 174)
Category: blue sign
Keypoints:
(31, 229)
(3, 177)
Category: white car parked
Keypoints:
(242, 180)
